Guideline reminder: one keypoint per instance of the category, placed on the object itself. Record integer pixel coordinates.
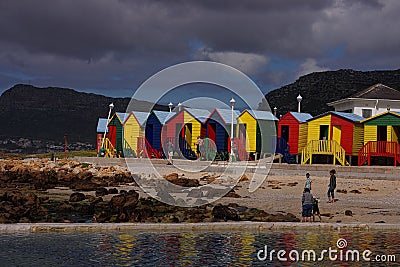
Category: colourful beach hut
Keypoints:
(116, 131)
(101, 128)
(218, 127)
(338, 134)
(381, 138)
(183, 128)
(154, 125)
(133, 131)
(292, 128)
(257, 131)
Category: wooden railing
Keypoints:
(110, 151)
(128, 150)
(324, 147)
(378, 149)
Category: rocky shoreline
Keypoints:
(43, 191)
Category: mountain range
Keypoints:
(48, 114)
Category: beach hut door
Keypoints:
(337, 134)
(323, 132)
(149, 133)
(285, 132)
(112, 134)
(382, 133)
(212, 131)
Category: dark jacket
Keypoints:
(332, 182)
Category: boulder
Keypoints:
(101, 191)
(77, 197)
(221, 212)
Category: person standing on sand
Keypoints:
(307, 201)
(308, 181)
(332, 187)
(170, 150)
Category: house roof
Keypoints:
(301, 117)
(226, 114)
(141, 116)
(122, 116)
(261, 115)
(381, 114)
(199, 114)
(348, 116)
(163, 116)
(378, 91)
(374, 92)
(102, 125)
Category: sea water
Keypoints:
(201, 248)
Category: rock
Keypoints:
(77, 197)
(276, 187)
(343, 191)
(243, 178)
(84, 186)
(113, 191)
(116, 203)
(380, 222)
(292, 184)
(355, 191)
(348, 213)
(370, 189)
(90, 198)
(224, 213)
(101, 191)
(232, 194)
(171, 176)
(274, 182)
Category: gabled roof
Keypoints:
(261, 115)
(122, 116)
(141, 116)
(378, 91)
(226, 115)
(348, 116)
(102, 125)
(382, 114)
(199, 114)
(163, 116)
(301, 117)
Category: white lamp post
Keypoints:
(179, 106)
(299, 98)
(111, 106)
(170, 105)
(232, 154)
(275, 109)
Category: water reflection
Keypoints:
(186, 248)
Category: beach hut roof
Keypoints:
(102, 125)
(348, 116)
(163, 116)
(141, 116)
(396, 113)
(226, 115)
(199, 114)
(122, 116)
(262, 115)
(301, 117)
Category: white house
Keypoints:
(370, 102)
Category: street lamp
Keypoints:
(232, 154)
(179, 106)
(275, 109)
(170, 105)
(299, 98)
(111, 106)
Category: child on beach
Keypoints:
(332, 186)
(315, 209)
(308, 181)
(307, 202)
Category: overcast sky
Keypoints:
(112, 46)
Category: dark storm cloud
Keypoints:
(110, 44)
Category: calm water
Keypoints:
(187, 249)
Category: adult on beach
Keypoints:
(307, 201)
(332, 186)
